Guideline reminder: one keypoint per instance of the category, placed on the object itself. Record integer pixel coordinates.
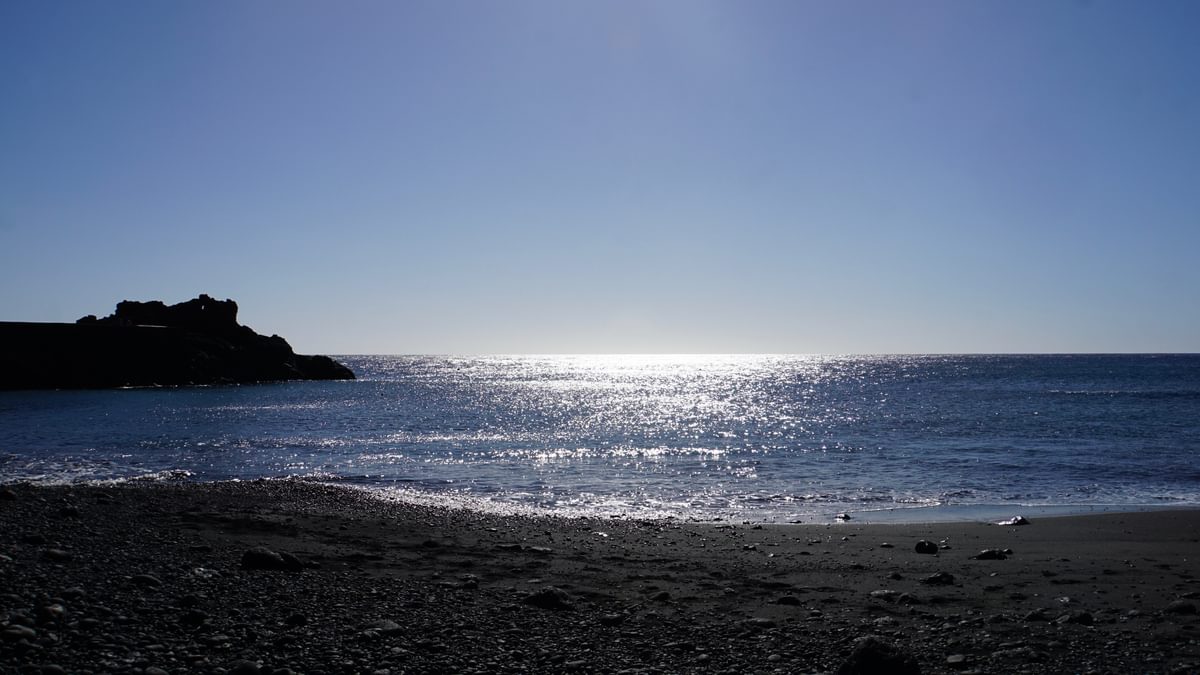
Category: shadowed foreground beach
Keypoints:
(152, 578)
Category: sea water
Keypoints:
(746, 437)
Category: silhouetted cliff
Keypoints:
(149, 344)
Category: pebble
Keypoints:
(262, 558)
(549, 597)
(871, 655)
(56, 555)
(990, 554)
(612, 619)
(146, 580)
(928, 547)
(939, 579)
(1180, 607)
(18, 632)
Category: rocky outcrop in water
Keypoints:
(153, 344)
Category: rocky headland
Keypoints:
(198, 342)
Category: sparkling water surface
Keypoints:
(761, 438)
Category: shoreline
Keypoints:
(135, 577)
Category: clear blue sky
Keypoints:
(690, 176)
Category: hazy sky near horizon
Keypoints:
(652, 176)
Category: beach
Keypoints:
(292, 576)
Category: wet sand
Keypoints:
(156, 578)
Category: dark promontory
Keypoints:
(153, 344)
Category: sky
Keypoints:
(611, 177)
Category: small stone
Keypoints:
(939, 579)
(193, 618)
(1180, 607)
(872, 655)
(52, 669)
(928, 547)
(886, 545)
(261, 558)
(956, 661)
(51, 613)
(295, 620)
(1015, 520)
(7, 494)
(885, 595)
(388, 627)
(154, 671)
(18, 632)
(56, 555)
(1035, 615)
(790, 600)
(549, 597)
(1081, 618)
(612, 619)
(146, 580)
(989, 554)
(244, 668)
(661, 596)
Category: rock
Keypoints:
(261, 558)
(295, 620)
(152, 344)
(885, 595)
(52, 613)
(56, 555)
(146, 580)
(17, 632)
(1180, 607)
(154, 671)
(1081, 618)
(243, 668)
(990, 554)
(193, 618)
(7, 495)
(612, 619)
(873, 656)
(939, 579)
(886, 545)
(387, 627)
(549, 597)
(1015, 520)
(928, 547)
(956, 661)
(790, 600)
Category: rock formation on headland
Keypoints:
(153, 344)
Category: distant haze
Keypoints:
(667, 176)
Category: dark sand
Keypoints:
(136, 578)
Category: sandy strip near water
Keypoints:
(153, 578)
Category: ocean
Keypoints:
(757, 438)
